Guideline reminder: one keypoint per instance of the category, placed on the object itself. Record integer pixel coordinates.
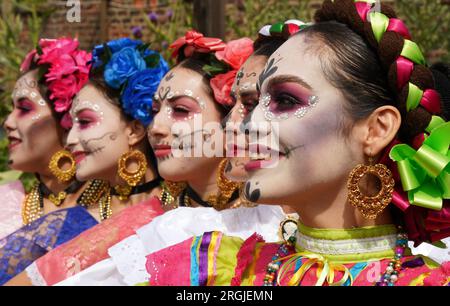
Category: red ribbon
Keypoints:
(363, 9)
(404, 70)
(431, 101)
(290, 29)
(194, 41)
(397, 25)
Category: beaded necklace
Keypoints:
(34, 202)
(389, 277)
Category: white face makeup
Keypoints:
(33, 132)
(98, 135)
(309, 115)
(245, 94)
(182, 98)
(170, 93)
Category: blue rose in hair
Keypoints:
(123, 64)
(137, 96)
(114, 46)
(160, 70)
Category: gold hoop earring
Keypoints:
(226, 189)
(370, 206)
(132, 178)
(62, 175)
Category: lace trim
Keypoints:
(346, 246)
(34, 275)
(129, 257)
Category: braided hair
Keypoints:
(374, 62)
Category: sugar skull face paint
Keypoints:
(33, 132)
(310, 137)
(166, 134)
(98, 135)
(246, 96)
(183, 104)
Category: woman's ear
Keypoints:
(136, 132)
(378, 130)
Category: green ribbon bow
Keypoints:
(425, 173)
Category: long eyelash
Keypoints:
(286, 97)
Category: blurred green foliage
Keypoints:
(246, 17)
(166, 25)
(429, 25)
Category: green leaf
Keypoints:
(39, 50)
(152, 61)
(213, 70)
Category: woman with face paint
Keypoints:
(108, 141)
(58, 207)
(246, 96)
(362, 157)
(186, 94)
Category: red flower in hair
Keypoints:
(221, 85)
(235, 54)
(194, 41)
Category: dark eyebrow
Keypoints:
(288, 78)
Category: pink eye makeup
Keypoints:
(183, 108)
(285, 99)
(87, 118)
(87, 114)
(25, 106)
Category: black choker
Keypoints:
(189, 193)
(140, 188)
(58, 199)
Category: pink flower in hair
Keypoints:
(221, 85)
(67, 70)
(52, 50)
(236, 52)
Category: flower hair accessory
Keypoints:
(195, 42)
(223, 63)
(129, 66)
(230, 60)
(63, 68)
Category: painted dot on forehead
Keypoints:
(89, 105)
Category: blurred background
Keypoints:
(160, 22)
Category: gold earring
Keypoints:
(370, 206)
(62, 175)
(170, 191)
(132, 178)
(226, 189)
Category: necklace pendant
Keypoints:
(123, 191)
(57, 200)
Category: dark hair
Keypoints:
(195, 63)
(350, 66)
(365, 69)
(113, 96)
(267, 45)
(441, 74)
